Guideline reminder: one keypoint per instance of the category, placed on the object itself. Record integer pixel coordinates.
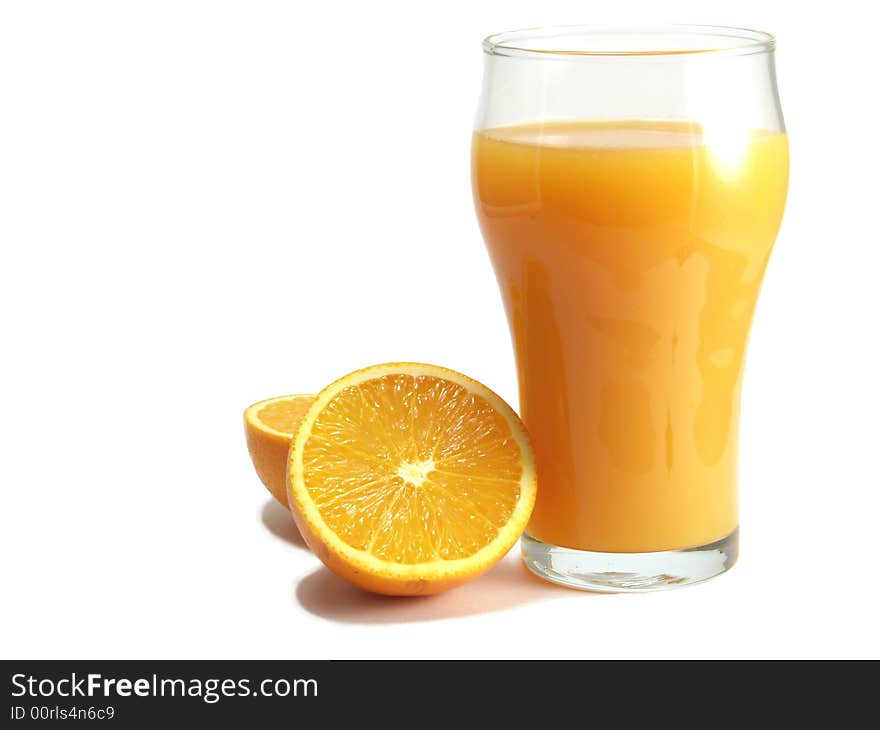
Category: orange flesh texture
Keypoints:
(412, 469)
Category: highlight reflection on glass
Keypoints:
(629, 185)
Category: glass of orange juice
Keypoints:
(630, 183)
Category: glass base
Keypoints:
(629, 572)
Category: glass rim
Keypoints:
(533, 42)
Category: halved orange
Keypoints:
(410, 479)
(269, 427)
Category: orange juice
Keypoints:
(630, 257)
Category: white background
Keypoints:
(203, 204)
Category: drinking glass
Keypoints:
(630, 183)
